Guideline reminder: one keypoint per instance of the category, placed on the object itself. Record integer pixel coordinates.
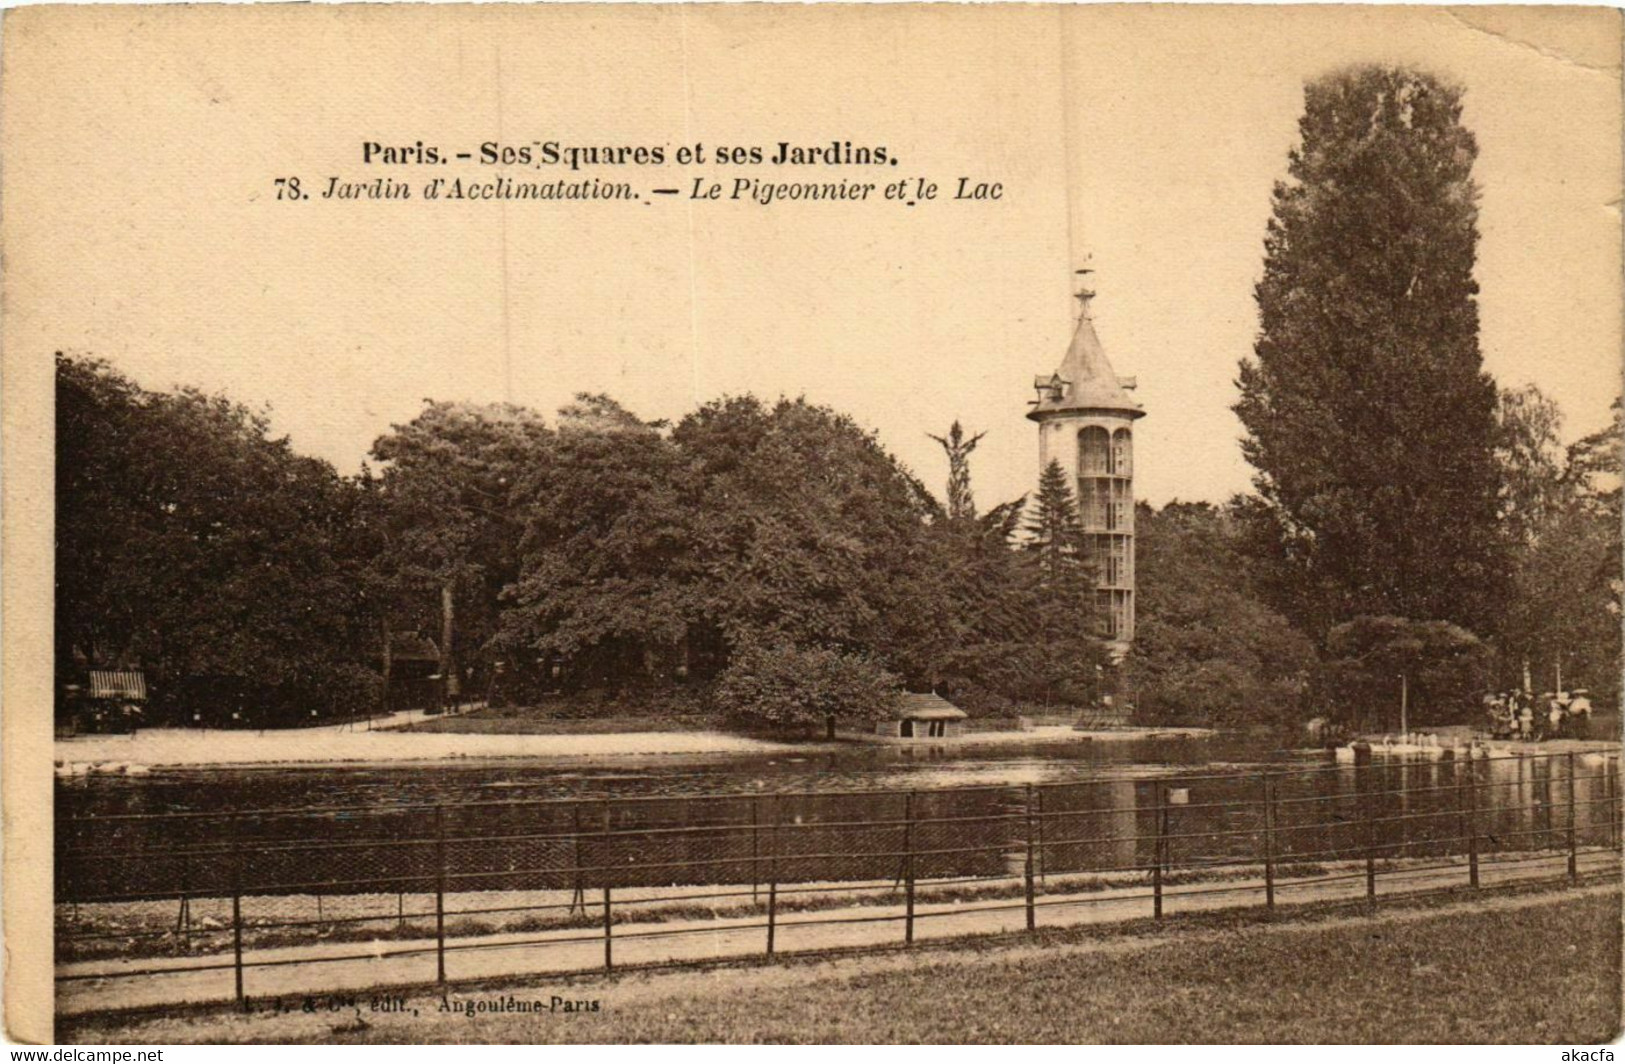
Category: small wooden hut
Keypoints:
(923, 716)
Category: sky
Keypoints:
(143, 226)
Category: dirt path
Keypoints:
(635, 988)
(332, 967)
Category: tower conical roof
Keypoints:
(1086, 380)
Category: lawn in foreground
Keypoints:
(1537, 970)
(1547, 974)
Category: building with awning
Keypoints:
(110, 700)
(118, 686)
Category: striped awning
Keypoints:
(128, 686)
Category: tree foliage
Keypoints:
(447, 519)
(1533, 463)
(192, 542)
(1208, 650)
(1061, 652)
(596, 551)
(1442, 666)
(1055, 533)
(1368, 416)
(608, 553)
(647, 549)
(812, 531)
(1566, 571)
(783, 686)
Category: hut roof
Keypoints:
(412, 646)
(928, 707)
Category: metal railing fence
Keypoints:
(209, 891)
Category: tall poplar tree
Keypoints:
(1368, 415)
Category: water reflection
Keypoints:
(856, 767)
(1090, 807)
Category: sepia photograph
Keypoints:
(896, 523)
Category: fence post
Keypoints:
(1545, 800)
(755, 846)
(1165, 827)
(773, 875)
(237, 910)
(908, 868)
(609, 958)
(1032, 922)
(1269, 840)
(1574, 853)
(578, 890)
(1611, 767)
(603, 861)
(1043, 862)
(440, 892)
(1156, 851)
(1472, 824)
(183, 918)
(1370, 843)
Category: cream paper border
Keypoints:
(1586, 36)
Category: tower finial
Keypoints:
(1085, 294)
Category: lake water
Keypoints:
(842, 814)
(854, 767)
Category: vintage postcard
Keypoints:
(754, 523)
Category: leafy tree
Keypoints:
(1207, 649)
(1442, 666)
(1368, 416)
(783, 686)
(784, 524)
(607, 582)
(1532, 460)
(449, 521)
(811, 532)
(979, 590)
(190, 542)
(1565, 607)
(986, 602)
(1593, 466)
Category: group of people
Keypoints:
(1553, 715)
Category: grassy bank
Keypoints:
(1519, 968)
(594, 712)
(530, 721)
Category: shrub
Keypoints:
(349, 690)
(786, 687)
